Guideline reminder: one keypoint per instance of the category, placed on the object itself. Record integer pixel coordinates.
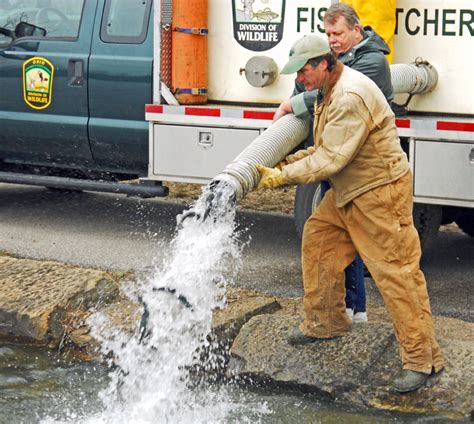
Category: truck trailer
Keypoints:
(76, 77)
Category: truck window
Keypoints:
(125, 21)
(53, 18)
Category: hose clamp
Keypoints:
(194, 31)
(196, 91)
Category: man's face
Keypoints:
(340, 37)
(312, 78)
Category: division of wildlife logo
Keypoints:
(258, 24)
(38, 82)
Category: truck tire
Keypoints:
(465, 221)
(427, 218)
(307, 198)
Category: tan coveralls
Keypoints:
(369, 211)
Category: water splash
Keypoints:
(151, 382)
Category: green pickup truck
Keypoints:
(75, 77)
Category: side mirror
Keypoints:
(25, 29)
(7, 32)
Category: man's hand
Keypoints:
(269, 177)
(282, 110)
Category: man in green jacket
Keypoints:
(359, 48)
(369, 211)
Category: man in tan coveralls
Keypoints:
(368, 210)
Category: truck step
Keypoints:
(140, 190)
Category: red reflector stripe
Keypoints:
(455, 126)
(402, 123)
(153, 108)
(197, 111)
(255, 114)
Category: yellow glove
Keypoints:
(281, 164)
(269, 177)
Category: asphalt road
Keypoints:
(118, 233)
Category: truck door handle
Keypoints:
(75, 72)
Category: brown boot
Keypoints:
(408, 380)
(296, 337)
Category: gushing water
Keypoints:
(151, 381)
(154, 379)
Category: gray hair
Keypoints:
(342, 9)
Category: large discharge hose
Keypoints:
(414, 78)
(241, 175)
(289, 131)
(284, 135)
(267, 149)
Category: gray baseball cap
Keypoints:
(305, 48)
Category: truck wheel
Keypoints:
(465, 221)
(427, 219)
(308, 197)
(450, 214)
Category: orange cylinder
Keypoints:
(189, 51)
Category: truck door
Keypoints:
(44, 53)
(120, 84)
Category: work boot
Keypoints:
(408, 380)
(296, 337)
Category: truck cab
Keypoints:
(99, 55)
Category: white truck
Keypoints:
(75, 77)
(248, 41)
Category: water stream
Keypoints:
(150, 378)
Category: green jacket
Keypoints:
(367, 57)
